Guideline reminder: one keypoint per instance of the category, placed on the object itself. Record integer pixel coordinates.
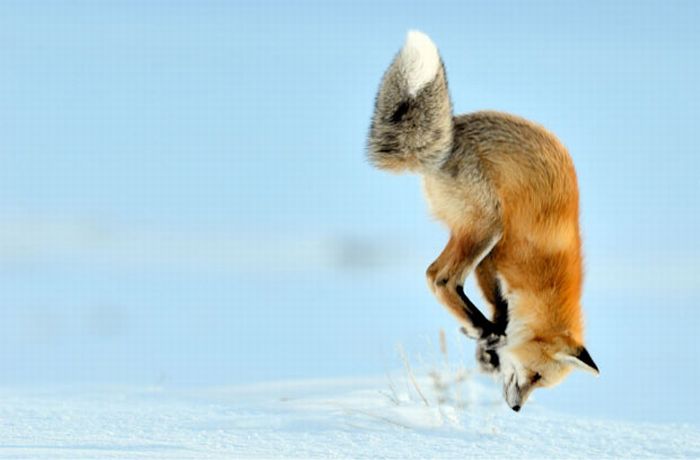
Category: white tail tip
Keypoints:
(420, 61)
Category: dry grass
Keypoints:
(441, 383)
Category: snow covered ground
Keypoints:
(384, 417)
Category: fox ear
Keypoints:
(579, 358)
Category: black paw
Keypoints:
(487, 353)
(487, 358)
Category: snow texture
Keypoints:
(437, 417)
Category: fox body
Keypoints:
(506, 188)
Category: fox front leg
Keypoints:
(493, 337)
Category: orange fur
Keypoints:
(540, 254)
(525, 193)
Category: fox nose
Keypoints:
(516, 408)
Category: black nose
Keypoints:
(516, 408)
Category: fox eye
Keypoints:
(536, 378)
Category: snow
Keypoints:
(383, 417)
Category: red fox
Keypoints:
(506, 188)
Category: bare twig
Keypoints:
(443, 347)
(390, 397)
(406, 364)
(394, 395)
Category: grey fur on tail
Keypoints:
(412, 126)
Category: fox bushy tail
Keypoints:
(412, 123)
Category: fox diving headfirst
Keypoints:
(506, 189)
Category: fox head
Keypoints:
(539, 363)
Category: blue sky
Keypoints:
(184, 192)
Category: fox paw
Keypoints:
(487, 358)
(487, 353)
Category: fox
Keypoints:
(506, 189)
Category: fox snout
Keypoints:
(514, 394)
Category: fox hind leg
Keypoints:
(447, 274)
